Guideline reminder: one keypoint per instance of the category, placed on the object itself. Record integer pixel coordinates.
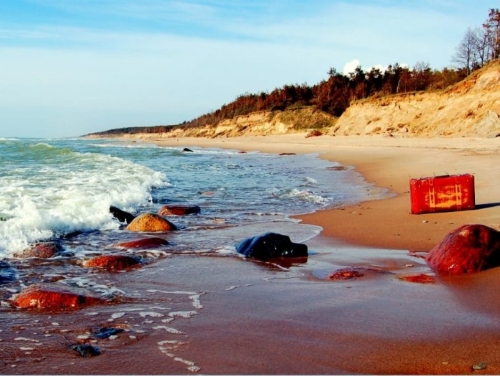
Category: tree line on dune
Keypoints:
(333, 95)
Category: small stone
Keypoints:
(87, 351)
(149, 222)
(479, 366)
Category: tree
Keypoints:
(492, 31)
(466, 53)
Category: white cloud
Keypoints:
(350, 67)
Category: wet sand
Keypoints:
(256, 318)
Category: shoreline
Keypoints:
(239, 316)
(387, 163)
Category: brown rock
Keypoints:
(143, 243)
(345, 274)
(314, 133)
(113, 262)
(178, 210)
(149, 222)
(55, 296)
(468, 249)
(419, 278)
(42, 250)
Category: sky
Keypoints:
(73, 67)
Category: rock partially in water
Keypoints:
(148, 222)
(345, 274)
(7, 272)
(86, 350)
(121, 215)
(178, 210)
(271, 245)
(467, 249)
(42, 250)
(419, 278)
(113, 262)
(143, 243)
(47, 296)
(106, 332)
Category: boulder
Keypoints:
(345, 274)
(143, 243)
(55, 296)
(7, 272)
(121, 215)
(113, 262)
(42, 250)
(468, 249)
(178, 210)
(149, 222)
(271, 245)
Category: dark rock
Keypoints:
(55, 296)
(86, 350)
(143, 243)
(186, 150)
(106, 332)
(149, 222)
(288, 154)
(314, 133)
(178, 210)
(468, 249)
(113, 262)
(121, 215)
(7, 272)
(271, 245)
(42, 250)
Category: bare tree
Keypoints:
(466, 52)
(492, 32)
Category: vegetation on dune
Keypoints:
(335, 94)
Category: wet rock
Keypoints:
(419, 278)
(113, 262)
(7, 272)
(288, 154)
(345, 274)
(271, 245)
(149, 222)
(143, 243)
(178, 210)
(102, 333)
(468, 249)
(121, 215)
(187, 150)
(86, 350)
(55, 296)
(42, 250)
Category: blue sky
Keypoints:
(71, 67)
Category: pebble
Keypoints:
(479, 366)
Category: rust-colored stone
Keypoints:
(345, 274)
(314, 133)
(113, 262)
(143, 243)
(178, 210)
(149, 222)
(55, 296)
(419, 278)
(467, 249)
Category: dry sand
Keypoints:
(260, 319)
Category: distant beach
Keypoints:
(250, 317)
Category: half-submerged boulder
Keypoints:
(468, 249)
(42, 250)
(121, 215)
(178, 210)
(143, 243)
(55, 296)
(113, 262)
(148, 222)
(271, 245)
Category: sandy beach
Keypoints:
(255, 318)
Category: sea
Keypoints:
(61, 190)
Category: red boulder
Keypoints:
(143, 243)
(113, 262)
(468, 249)
(178, 210)
(55, 296)
(345, 274)
(149, 222)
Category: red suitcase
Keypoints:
(442, 193)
